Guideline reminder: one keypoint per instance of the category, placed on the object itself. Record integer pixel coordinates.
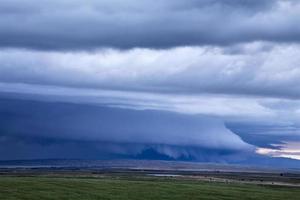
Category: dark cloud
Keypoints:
(22, 147)
(149, 103)
(30, 124)
(41, 130)
(265, 136)
(128, 24)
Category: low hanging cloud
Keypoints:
(81, 25)
(114, 130)
(195, 79)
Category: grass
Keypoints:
(39, 188)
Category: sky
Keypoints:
(202, 80)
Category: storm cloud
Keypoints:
(242, 87)
(209, 80)
(112, 130)
(66, 25)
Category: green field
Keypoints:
(38, 188)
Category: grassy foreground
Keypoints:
(39, 188)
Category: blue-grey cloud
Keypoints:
(265, 136)
(253, 83)
(34, 130)
(112, 130)
(131, 23)
(135, 78)
(256, 70)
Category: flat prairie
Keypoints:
(140, 187)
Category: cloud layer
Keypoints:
(112, 130)
(195, 79)
(261, 69)
(245, 86)
(142, 23)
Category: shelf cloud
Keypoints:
(210, 80)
